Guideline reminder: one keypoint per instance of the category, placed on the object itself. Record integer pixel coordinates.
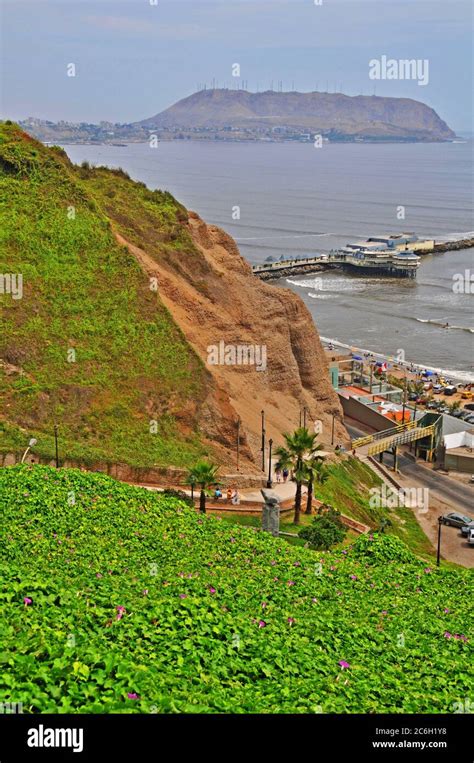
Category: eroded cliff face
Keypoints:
(228, 315)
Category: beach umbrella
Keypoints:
(357, 357)
(428, 373)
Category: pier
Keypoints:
(364, 258)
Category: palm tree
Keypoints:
(315, 471)
(297, 447)
(204, 474)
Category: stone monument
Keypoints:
(271, 512)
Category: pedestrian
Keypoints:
(229, 494)
(285, 475)
(235, 497)
(278, 474)
(217, 494)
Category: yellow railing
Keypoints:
(400, 439)
(360, 441)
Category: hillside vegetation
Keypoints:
(89, 345)
(116, 600)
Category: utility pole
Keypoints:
(269, 481)
(263, 441)
(404, 399)
(332, 431)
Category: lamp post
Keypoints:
(238, 443)
(440, 522)
(263, 440)
(56, 445)
(332, 430)
(31, 443)
(269, 481)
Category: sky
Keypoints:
(133, 58)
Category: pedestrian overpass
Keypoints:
(425, 433)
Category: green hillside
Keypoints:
(116, 600)
(89, 344)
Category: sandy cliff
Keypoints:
(217, 300)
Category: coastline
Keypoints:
(460, 377)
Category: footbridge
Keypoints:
(425, 432)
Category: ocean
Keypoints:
(293, 199)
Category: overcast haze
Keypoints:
(134, 59)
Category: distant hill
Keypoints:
(333, 114)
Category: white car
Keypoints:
(470, 537)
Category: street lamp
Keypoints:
(31, 443)
(269, 481)
(56, 445)
(440, 522)
(263, 440)
(238, 443)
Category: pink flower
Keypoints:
(121, 611)
(132, 695)
(446, 610)
(291, 620)
(343, 664)
(297, 564)
(261, 623)
(98, 575)
(427, 570)
(353, 577)
(182, 596)
(447, 634)
(314, 601)
(27, 600)
(211, 589)
(384, 612)
(264, 604)
(273, 563)
(232, 540)
(145, 592)
(291, 582)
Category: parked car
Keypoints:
(469, 420)
(456, 520)
(469, 407)
(450, 390)
(470, 537)
(466, 528)
(437, 389)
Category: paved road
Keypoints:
(459, 497)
